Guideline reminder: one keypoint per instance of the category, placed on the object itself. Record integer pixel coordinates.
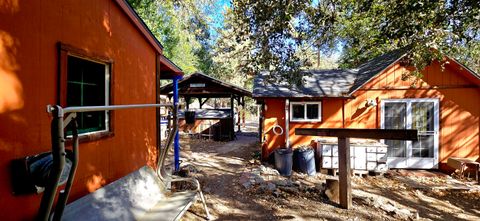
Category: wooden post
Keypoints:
(344, 172)
(239, 102)
(232, 114)
(343, 135)
(187, 101)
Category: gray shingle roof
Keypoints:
(371, 68)
(327, 83)
(318, 83)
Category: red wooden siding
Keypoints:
(29, 32)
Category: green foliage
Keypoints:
(181, 28)
(283, 36)
(429, 29)
(230, 57)
(271, 33)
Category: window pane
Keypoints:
(424, 146)
(423, 116)
(312, 111)
(94, 95)
(86, 87)
(396, 148)
(94, 73)
(395, 118)
(93, 121)
(74, 95)
(298, 111)
(395, 115)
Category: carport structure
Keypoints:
(203, 87)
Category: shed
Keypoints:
(213, 122)
(443, 106)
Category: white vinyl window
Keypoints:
(305, 111)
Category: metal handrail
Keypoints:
(59, 154)
(65, 110)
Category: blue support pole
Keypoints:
(176, 142)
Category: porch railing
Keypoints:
(62, 116)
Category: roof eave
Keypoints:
(173, 71)
(241, 90)
(140, 24)
(472, 72)
(304, 97)
(167, 88)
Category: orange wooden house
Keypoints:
(444, 106)
(70, 52)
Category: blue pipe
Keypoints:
(176, 142)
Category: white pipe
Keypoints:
(102, 108)
(287, 121)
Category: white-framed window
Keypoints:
(306, 111)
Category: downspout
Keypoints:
(176, 143)
(287, 120)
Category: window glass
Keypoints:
(308, 111)
(86, 87)
(395, 115)
(312, 111)
(422, 113)
(298, 111)
(395, 118)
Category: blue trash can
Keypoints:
(306, 161)
(283, 161)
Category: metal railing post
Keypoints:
(63, 197)
(176, 144)
(58, 157)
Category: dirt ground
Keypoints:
(397, 195)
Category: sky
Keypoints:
(216, 16)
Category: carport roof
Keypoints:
(201, 85)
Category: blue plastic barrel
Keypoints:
(283, 161)
(306, 161)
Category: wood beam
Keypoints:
(389, 134)
(343, 135)
(203, 102)
(200, 102)
(345, 188)
(237, 98)
(232, 126)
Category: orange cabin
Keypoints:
(69, 52)
(444, 106)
